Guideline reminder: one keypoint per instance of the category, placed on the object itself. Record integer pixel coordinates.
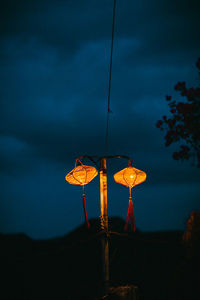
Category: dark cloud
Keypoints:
(160, 26)
(54, 63)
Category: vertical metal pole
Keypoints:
(104, 221)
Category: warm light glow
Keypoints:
(130, 177)
(81, 175)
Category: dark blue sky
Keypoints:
(54, 63)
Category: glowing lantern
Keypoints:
(130, 177)
(82, 175)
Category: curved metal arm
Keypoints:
(91, 158)
(96, 159)
(120, 156)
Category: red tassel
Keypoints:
(85, 211)
(130, 214)
(127, 217)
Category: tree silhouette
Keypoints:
(184, 123)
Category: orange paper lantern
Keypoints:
(82, 175)
(130, 177)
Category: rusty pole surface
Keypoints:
(104, 221)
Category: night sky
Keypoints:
(54, 68)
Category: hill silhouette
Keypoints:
(70, 267)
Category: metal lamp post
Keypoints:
(128, 177)
(104, 220)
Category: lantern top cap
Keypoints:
(130, 176)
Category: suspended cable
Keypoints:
(110, 75)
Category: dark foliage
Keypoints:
(184, 123)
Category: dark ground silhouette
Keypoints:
(69, 267)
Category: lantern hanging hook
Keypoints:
(129, 162)
(78, 160)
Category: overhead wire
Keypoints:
(110, 77)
